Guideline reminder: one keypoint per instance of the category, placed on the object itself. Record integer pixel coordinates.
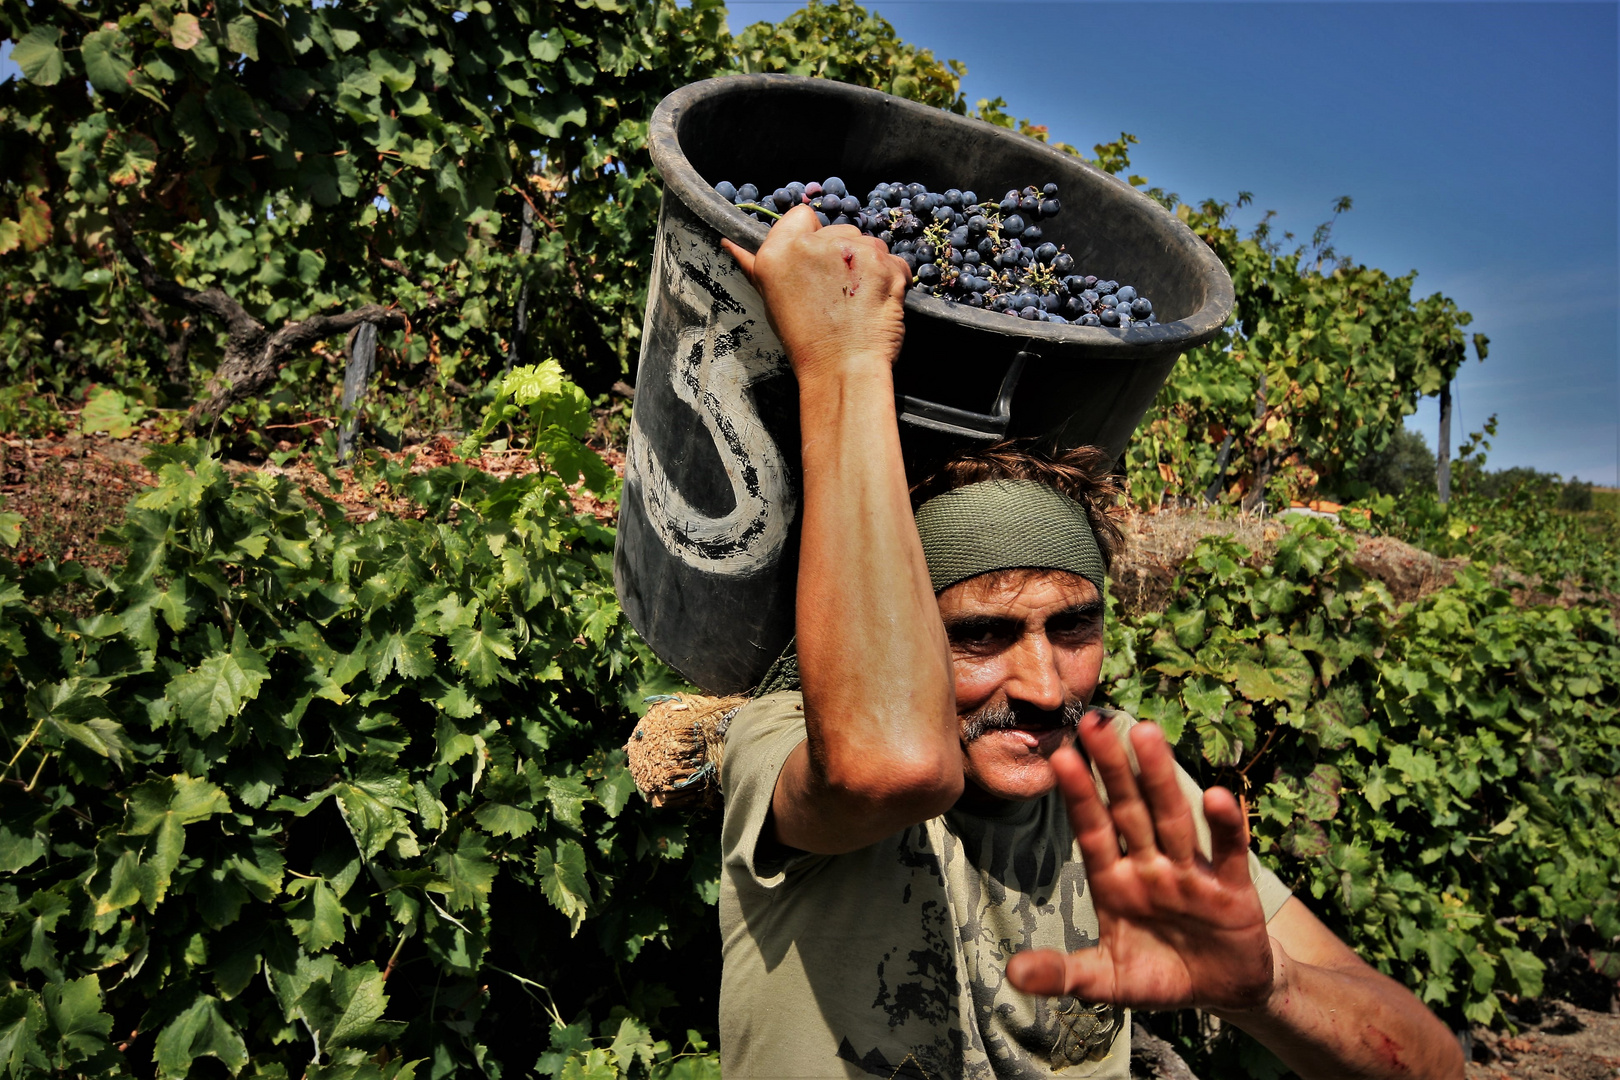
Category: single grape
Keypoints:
(928, 273)
(727, 190)
(1106, 288)
(1109, 317)
(1050, 191)
(969, 199)
(1046, 252)
(1051, 302)
(1031, 235)
(1060, 320)
(834, 186)
(1050, 208)
(748, 193)
(1030, 312)
(1126, 294)
(972, 257)
(813, 190)
(1012, 226)
(1063, 265)
(1109, 300)
(1141, 307)
(925, 251)
(1090, 320)
(1029, 204)
(1091, 281)
(1009, 205)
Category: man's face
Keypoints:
(1027, 650)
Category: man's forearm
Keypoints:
(872, 653)
(1331, 1024)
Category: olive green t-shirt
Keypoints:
(890, 961)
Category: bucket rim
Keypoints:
(1192, 330)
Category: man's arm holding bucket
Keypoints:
(882, 750)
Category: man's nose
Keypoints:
(1035, 677)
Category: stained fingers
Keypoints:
(1130, 813)
(1174, 830)
(1088, 817)
(1229, 837)
(1086, 973)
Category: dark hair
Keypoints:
(1085, 474)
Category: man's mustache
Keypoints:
(1000, 716)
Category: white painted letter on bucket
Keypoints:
(724, 346)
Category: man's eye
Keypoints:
(979, 635)
(1075, 627)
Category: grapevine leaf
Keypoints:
(242, 35)
(39, 54)
(467, 871)
(107, 410)
(480, 651)
(316, 918)
(201, 1030)
(562, 879)
(74, 1011)
(633, 1042)
(217, 689)
(21, 1021)
(107, 62)
(185, 32)
(503, 819)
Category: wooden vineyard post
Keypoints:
(362, 363)
(1442, 475)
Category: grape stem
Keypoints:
(774, 216)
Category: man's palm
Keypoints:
(1176, 929)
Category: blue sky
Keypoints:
(1480, 142)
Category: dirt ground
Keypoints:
(1555, 1039)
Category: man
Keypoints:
(903, 892)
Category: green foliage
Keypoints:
(1323, 360)
(308, 160)
(308, 793)
(1437, 778)
(843, 41)
(1524, 527)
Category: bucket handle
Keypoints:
(985, 427)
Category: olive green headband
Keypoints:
(993, 525)
(1006, 525)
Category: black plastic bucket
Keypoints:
(707, 543)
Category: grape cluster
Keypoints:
(984, 254)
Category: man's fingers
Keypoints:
(1088, 817)
(1172, 817)
(1125, 803)
(745, 259)
(1229, 837)
(1084, 973)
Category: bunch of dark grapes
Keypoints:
(985, 254)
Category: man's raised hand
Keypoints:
(835, 296)
(1176, 929)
